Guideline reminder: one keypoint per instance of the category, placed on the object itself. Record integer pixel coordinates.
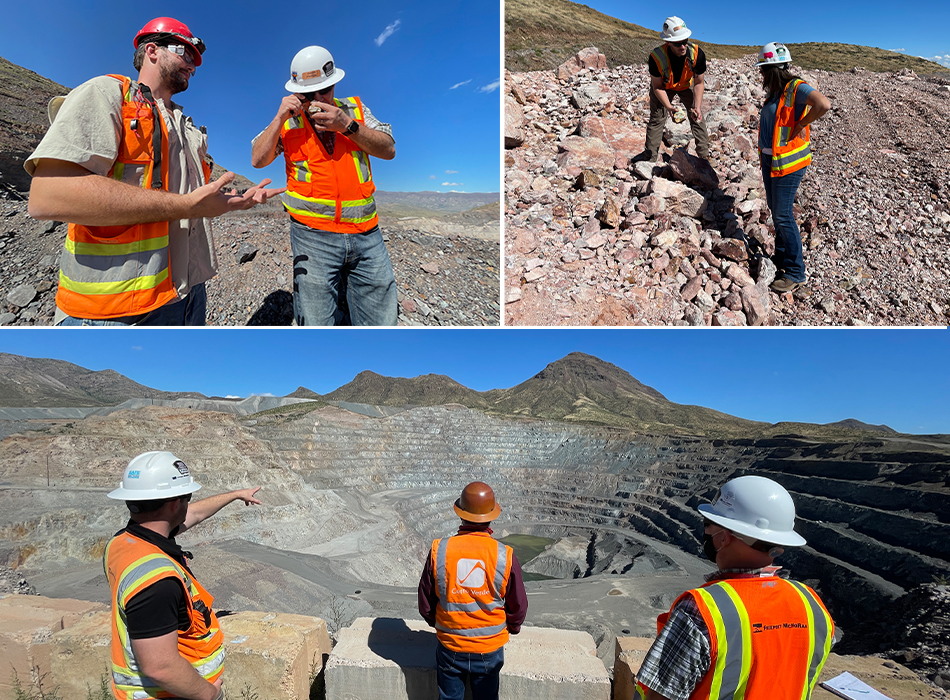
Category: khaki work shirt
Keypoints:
(87, 131)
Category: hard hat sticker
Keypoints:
(181, 467)
(471, 573)
(328, 68)
(311, 74)
(293, 75)
(134, 474)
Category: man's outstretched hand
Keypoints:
(211, 200)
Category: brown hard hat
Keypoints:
(477, 503)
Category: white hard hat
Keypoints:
(674, 29)
(755, 507)
(313, 69)
(774, 53)
(155, 476)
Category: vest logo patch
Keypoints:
(759, 627)
(470, 573)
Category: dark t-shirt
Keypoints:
(676, 64)
(160, 608)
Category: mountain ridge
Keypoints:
(578, 388)
(540, 35)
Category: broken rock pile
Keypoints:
(594, 238)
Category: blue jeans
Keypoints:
(481, 670)
(189, 311)
(780, 196)
(342, 279)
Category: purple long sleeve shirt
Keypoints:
(516, 600)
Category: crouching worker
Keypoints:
(166, 641)
(747, 632)
(472, 592)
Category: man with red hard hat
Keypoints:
(748, 631)
(166, 640)
(472, 592)
(130, 173)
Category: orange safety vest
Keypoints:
(471, 575)
(115, 271)
(769, 639)
(328, 192)
(131, 565)
(789, 156)
(662, 59)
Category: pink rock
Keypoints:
(692, 170)
(514, 123)
(731, 248)
(620, 135)
(738, 275)
(578, 153)
(756, 304)
(691, 288)
(585, 58)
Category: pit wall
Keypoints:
(59, 648)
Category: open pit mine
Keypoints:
(354, 492)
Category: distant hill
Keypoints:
(23, 121)
(420, 203)
(428, 390)
(542, 34)
(584, 389)
(578, 388)
(29, 382)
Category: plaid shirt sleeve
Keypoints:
(374, 123)
(680, 656)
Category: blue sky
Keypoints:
(429, 67)
(918, 29)
(895, 377)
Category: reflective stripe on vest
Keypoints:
(115, 271)
(666, 72)
(132, 565)
(820, 622)
(789, 157)
(329, 192)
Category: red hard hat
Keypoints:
(172, 27)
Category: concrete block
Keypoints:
(273, 655)
(27, 624)
(383, 658)
(80, 656)
(629, 653)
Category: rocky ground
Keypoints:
(445, 277)
(594, 239)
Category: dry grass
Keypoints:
(542, 34)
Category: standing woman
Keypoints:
(785, 152)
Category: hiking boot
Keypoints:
(647, 156)
(783, 284)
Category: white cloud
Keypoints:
(458, 85)
(452, 184)
(388, 32)
(942, 60)
(136, 347)
(451, 172)
(898, 50)
(491, 87)
(232, 396)
(432, 177)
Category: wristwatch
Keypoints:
(352, 128)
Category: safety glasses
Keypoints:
(180, 50)
(309, 96)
